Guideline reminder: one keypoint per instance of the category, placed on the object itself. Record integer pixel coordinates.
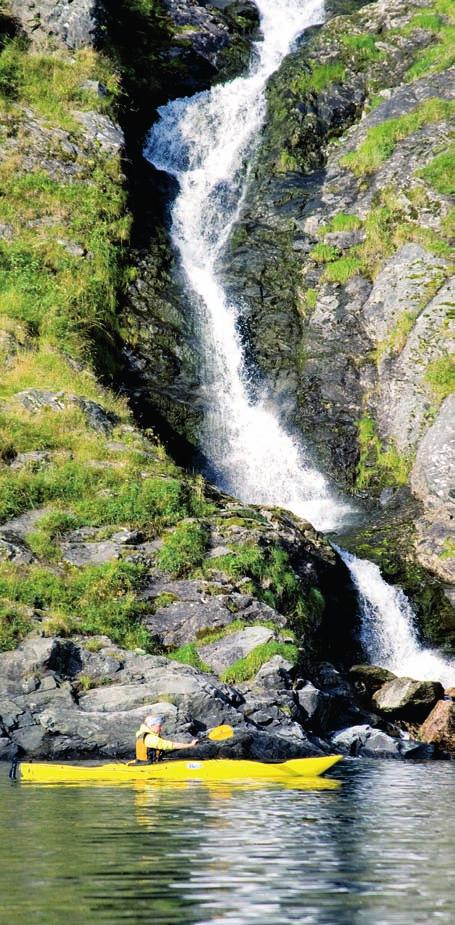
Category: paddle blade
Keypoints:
(220, 733)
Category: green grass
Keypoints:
(320, 77)
(247, 667)
(273, 579)
(440, 376)
(440, 172)
(95, 600)
(188, 655)
(378, 465)
(381, 140)
(341, 270)
(438, 19)
(183, 550)
(324, 253)
(343, 221)
(15, 624)
(361, 49)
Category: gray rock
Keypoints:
(182, 621)
(72, 21)
(367, 679)
(274, 674)
(317, 707)
(96, 416)
(102, 131)
(35, 458)
(406, 699)
(224, 653)
(14, 549)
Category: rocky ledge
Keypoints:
(64, 698)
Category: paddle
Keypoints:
(220, 733)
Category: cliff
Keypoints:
(107, 545)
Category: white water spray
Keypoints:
(205, 142)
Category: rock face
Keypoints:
(63, 698)
(439, 726)
(406, 699)
(343, 269)
(75, 22)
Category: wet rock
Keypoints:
(224, 653)
(367, 679)
(367, 742)
(439, 727)
(406, 699)
(318, 708)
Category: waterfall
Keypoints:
(206, 142)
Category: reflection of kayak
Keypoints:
(221, 769)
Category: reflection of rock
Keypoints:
(439, 726)
(406, 699)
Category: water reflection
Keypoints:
(376, 851)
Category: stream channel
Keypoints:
(207, 142)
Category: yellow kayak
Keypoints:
(221, 769)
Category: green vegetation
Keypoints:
(318, 78)
(398, 336)
(378, 466)
(183, 550)
(440, 376)
(342, 221)
(341, 270)
(94, 600)
(272, 578)
(439, 19)
(361, 49)
(440, 172)
(324, 253)
(381, 140)
(15, 623)
(247, 667)
(188, 655)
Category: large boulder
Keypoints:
(367, 679)
(439, 726)
(367, 742)
(408, 700)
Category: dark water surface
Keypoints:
(380, 848)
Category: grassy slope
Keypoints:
(63, 262)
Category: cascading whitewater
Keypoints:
(388, 630)
(206, 142)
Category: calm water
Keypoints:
(379, 848)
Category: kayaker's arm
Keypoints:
(152, 740)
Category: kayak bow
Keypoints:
(221, 769)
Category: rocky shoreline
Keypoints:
(127, 583)
(73, 699)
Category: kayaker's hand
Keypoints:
(194, 742)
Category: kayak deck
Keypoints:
(221, 769)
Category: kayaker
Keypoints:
(150, 743)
